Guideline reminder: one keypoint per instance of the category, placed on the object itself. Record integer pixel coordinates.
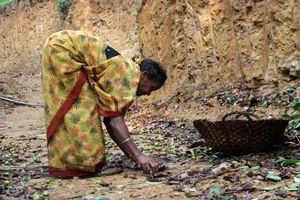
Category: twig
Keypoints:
(81, 194)
(234, 191)
(20, 102)
(16, 168)
(201, 178)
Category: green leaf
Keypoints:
(8, 183)
(4, 2)
(283, 162)
(286, 116)
(45, 194)
(214, 192)
(212, 158)
(271, 176)
(290, 89)
(245, 168)
(272, 187)
(296, 105)
(293, 187)
(296, 117)
(187, 192)
(226, 198)
(244, 161)
(41, 170)
(34, 159)
(264, 103)
(235, 163)
(26, 178)
(101, 197)
(36, 196)
(49, 182)
(255, 168)
(297, 179)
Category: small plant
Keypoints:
(138, 5)
(41, 195)
(63, 7)
(34, 159)
(293, 128)
(214, 193)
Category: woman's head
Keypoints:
(152, 78)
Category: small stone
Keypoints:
(221, 169)
(295, 63)
(184, 175)
(250, 173)
(176, 194)
(88, 197)
(104, 184)
(260, 178)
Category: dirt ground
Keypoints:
(173, 143)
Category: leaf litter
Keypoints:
(187, 164)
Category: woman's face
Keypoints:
(146, 86)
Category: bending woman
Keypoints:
(84, 80)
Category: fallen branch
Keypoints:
(20, 102)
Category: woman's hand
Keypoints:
(147, 164)
(118, 130)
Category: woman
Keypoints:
(83, 80)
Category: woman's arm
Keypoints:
(118, 131)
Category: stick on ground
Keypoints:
(20, 102)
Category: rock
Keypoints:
(283, 15)
(183, 175)
(291, 68)
(296, 40)
(221, 169)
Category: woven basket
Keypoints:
(237, 137)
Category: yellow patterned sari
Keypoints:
(79, 85)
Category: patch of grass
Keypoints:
(138, 5)
(63, 7)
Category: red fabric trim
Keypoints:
(65, 107)
(67, 172)
(109, 113)
(73, 172)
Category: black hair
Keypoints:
(154, 70)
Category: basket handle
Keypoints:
(238, 114)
